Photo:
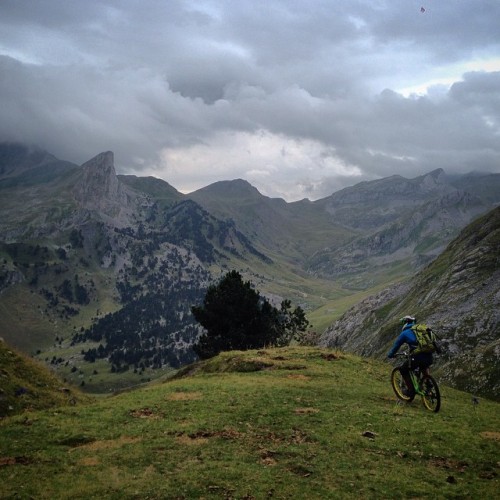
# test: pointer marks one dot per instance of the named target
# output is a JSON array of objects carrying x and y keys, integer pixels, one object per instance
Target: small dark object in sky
[{"x": 422, "y": 9}]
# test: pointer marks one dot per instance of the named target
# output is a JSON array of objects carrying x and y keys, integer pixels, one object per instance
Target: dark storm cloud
[{"x": 174, "y": 86}]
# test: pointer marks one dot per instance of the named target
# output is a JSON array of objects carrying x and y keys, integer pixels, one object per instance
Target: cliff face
[
  {"x": 458, "y": 295},
  {"x": 99, "y": 190},
  {"x": 99, "y": 181}
]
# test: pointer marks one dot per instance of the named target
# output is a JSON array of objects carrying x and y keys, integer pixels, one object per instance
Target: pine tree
[{"x": 237, "y": 317}]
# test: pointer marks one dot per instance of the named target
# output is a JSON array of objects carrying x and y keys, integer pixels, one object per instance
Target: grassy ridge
[
  {"x": 280, "y": 423},
  {"x": 27, "y": 385}
]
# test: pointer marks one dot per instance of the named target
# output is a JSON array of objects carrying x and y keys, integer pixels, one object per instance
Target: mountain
[
  {"x": 458, "y": 294},
  {"x": 403, "y": 222},
  {"x": 159, "y": 190},
  {"x": 290, "y": 231},
  {"x": 29, "y": 165},
  {"x": 98, "y": 271},
  {"x": 483, "y": 185},
  {"x": 392, "y": 225}
]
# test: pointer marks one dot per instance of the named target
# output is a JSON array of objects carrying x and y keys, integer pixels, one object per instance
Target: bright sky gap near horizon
[{"x": 299, "y": 98}]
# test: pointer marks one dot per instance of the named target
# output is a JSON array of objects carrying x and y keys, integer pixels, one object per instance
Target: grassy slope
[
  {"x": 160, "y": 190},
  {"x": 27, "y": 385},
  {"x": 285, "y": 423}
]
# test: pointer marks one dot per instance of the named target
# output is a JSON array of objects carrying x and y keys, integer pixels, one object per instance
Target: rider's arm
[
  {"x": 405, "y": 337},
  {"x": 399, "y": 342}
]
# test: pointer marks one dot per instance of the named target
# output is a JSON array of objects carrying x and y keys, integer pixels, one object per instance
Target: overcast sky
[{"x": 299, "y": 97}]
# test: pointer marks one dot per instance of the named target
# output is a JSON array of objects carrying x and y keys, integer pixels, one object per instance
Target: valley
[{"x": 98, "y": 271}]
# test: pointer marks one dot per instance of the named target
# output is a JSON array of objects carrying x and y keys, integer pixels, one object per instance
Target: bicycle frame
[
  {"x": 413, "y": 376},
  {"x": 416, "y": 382}
]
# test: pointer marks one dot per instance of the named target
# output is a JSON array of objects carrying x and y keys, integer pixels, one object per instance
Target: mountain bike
[{"x": 424, "y": 385}]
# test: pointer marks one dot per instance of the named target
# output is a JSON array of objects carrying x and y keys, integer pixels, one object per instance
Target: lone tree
[{"x": 236, "y": 317}]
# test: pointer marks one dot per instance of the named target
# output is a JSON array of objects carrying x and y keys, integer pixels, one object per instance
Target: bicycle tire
[
  {"x": 399, "y": 385},
  {"x": 431, "y": 398}
]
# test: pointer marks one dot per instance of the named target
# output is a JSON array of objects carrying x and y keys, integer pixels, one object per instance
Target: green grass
[
  {"x": 28, "y": 385},
  {"x": 279, "y": 423}
]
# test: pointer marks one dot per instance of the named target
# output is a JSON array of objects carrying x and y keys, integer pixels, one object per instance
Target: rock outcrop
[{"x": 99, "y": 190}]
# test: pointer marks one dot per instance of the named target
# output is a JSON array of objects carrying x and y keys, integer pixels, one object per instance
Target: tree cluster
[{"x": 237, "y": 317}]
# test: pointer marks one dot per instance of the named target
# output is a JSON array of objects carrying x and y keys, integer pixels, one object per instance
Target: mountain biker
[{"x": 421, "y": 360}]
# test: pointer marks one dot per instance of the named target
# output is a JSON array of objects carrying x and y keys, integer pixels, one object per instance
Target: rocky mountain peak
[
  {"x": 99, "y": 177},
  {"x": 100, "y": 189},
  {"x": 237, "y": 188},
  {"x": 99, "y": 182},
  {"x": 433, "y": 180}
]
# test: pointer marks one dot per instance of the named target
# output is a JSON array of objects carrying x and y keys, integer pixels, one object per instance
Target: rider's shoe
[{"x": 408, "y": 393}]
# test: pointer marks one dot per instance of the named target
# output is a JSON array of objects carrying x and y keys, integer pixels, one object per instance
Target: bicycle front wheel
[
  {"x": 431, "y": 397},
  {"x": 399, "y": 385}
]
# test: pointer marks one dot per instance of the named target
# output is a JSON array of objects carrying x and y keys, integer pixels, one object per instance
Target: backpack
[{"x": 426, "y": 338}]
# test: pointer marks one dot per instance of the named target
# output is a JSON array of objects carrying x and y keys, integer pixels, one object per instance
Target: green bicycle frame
[{"x": 416, "y": 381}]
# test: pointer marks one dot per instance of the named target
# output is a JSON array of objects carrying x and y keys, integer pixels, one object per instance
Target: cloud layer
[{"x": 299, "y": 98}]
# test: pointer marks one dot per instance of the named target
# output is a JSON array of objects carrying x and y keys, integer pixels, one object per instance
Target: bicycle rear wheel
[
  {"x": 399, "y": 385},
  {"x": 431, "y": 398}
]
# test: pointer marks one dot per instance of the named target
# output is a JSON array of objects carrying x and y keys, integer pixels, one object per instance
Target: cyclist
[{"x": 421, "y": 360}]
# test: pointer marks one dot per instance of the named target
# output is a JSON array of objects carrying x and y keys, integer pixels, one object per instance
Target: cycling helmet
[{"x": 407, "y": 319}]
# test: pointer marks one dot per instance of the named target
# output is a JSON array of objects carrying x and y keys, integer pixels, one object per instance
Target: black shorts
[{"x": 421, "y": 360}]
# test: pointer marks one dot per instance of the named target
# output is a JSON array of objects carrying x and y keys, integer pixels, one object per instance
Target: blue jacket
[{"x": 405, "y": 337}]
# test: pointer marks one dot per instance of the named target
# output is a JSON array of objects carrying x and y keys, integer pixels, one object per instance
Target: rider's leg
[
  {"x": 424, "y": 362},
  {"x": 405, "y": 371}
]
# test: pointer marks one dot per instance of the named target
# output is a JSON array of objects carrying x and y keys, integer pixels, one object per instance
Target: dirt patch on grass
[
  {"x": 190, "y": 440},
  {"x": 267, "y": 458},
  {"x": 109, "y": 443},
  {"x": 306, "y": 411},
  {"x": 144, "y": 413},
  {"x": 331, "y": 356},
  {"x": 5, "y": 461},
  {"x": 299, "y": 377},
  {"x": 89, "y": 461},
  {"x": 491, "y": 435},
  {"x": 448, "y": 463},
  {"x": 201, "y": 437},
  {"x": 184, "y": 396}
]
